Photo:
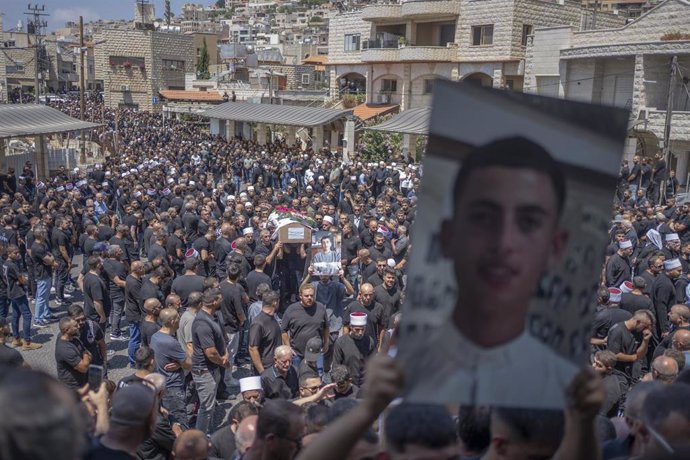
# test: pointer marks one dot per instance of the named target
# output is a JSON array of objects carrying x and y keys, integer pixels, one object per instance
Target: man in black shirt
[
  {"x": 354, "y": 349},
  {"x": 71, "y": 356},
  {"x": 43, "y": 263},
  {"x": 60, "y": 244},
  {"x": 344, "y": 388},
  {"x": 388, "y": 294},
  {"x": 134, "y": 308},
  {"x": 90, "y": 334},
  {"x": 117, "y": 274},
  {"x": 151, "y": 285},
  {"x": 304, "y": 320},
  {"x": 614, "y": 383},
  {"x": 96, "y": 299},
  {"x": 232, "y": 308},
  {"x": 280, "y": 381},
  {"x": 257, "y": 276},
  {"x": 636, "y": 299},
  {"x": 664, "y": 295},
  {"x": 264, "y": 333},
  {"x": 209, "y": 355},
  {"x": 623, "y": 344},
  {"x": 15, "y": 282},
  {"x": 618, "y": 268},
  {"x": 149, "y": 325},
  {"x": 189, "y": 282},
  {"x": 606, "y": 316},
  {"x": 365, "y": 303}
]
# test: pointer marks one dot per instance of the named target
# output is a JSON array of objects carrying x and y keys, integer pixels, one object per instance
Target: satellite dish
[{"x": 156, "y": 24}]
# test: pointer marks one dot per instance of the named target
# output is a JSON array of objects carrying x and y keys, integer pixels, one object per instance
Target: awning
[
  {"x": 288, "y": 115},
  {"x": 195, "y": 96},
  {"x": 367, "y": 111},
  {"x": 411, "y": 121},
  {"x": 33, "y": 119}
]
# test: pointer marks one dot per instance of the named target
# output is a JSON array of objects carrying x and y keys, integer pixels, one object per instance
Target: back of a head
[
  {"x": 635, "y": 398},
  {"x": 242, "y": 410},
  {"x": 474, "y": 428},
  {"x": 275, "y": 418},
  {"x": 427, "y": 425},
  {"x": 316, "y": 418},
  {"x": 540, "y": 427},
  {"x": 191, "y": 445},
  {"x": 40, "y": 419},
  {"x": 666, "y": 410}
]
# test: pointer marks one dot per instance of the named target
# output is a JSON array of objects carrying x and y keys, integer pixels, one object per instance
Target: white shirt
[{"x": 522, "y": 373}]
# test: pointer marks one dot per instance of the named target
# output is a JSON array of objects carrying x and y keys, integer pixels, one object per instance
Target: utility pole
[
  {"x": 82, "y": 108},
  {"x": 35, "y": 27},
  {"x": 667, "y": 123}
]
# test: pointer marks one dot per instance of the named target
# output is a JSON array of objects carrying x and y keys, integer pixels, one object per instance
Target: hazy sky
[{"x": 62, "y": 11}]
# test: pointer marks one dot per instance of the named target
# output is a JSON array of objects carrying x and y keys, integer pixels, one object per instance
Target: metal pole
[
  {"x": 667, "y": 123},
  {"x": 82, "y": 152}
]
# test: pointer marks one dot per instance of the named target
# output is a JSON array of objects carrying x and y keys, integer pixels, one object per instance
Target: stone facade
[
  {"x": 500, "y": 63},
  {"x": 627, "y": 67},
  {"x": 166, "y": 57}
]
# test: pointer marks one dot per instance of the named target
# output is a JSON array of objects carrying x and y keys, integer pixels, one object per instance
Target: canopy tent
[
  {"x": 286, "y": 115},
  {"x": 410, "y": 121},
  {"x": 34, "y": 119}
]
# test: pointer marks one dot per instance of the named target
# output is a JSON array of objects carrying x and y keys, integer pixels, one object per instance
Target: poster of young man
[
  {"x": 325, "y": 252},
  {"x": 508, "y": 247}
]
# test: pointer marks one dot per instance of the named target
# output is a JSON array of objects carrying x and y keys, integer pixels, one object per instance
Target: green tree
[
  {"x": 202, "y": 72},
  {"x": 220, "y": 3}
]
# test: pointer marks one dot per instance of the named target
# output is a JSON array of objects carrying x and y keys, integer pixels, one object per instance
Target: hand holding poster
[{"x": 508, "y": 247}]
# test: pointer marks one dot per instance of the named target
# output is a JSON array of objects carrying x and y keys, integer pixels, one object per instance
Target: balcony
[
  {"x": 380, "y": 51},
  {"x": 382, "y": 12},
  {"x": 428, "y": 54},
  {"x": 430, "y": 8}
]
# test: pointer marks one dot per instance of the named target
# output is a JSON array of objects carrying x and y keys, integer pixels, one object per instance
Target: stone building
[
  {"x": 136, "y": 64},
  {"x": 391, "y": 52},
  {"x": 627, "y": 67}
]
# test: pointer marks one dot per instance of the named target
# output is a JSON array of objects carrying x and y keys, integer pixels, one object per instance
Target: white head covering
[
  {"x": 250, "y": 383},
  {"x": 625, "y": 244},
  {"x": 391, "y": 262},
  {"x": 626, "y": 286},
  {"x": 358, "y": 319},
  {"x": 672, "y": 264},
  {"x": 248, "y": 231},
  {"x": 328, "y": 219},
  {"x": 614, "y": 295},
  {"x": 654, "y": 237},
  {"x": 671, "y": 237}
]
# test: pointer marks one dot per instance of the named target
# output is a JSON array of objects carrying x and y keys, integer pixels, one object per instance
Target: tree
[
  {"x": 220, "y": 3},
  {"x": 202, "y": 72}
]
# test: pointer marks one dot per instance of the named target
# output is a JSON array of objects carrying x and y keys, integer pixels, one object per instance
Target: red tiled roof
[{"x": 367, "y": 111}]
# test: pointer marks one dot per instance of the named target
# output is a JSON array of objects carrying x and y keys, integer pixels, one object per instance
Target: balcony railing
[{"x": 379, "y": 44}]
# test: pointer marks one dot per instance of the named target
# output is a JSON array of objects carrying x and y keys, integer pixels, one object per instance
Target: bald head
[
  {"x": 168, "y": 317},
  {"x": 191, "y": 445},
  {"x": 245, "y": 434},
  {"x": 680, "y": 314},
  {"x": 137, "y": 266},
  {"x": 152, "y": 306},
  {"x": 681, "y": 340},
  {"x": 665, "y": 369}
]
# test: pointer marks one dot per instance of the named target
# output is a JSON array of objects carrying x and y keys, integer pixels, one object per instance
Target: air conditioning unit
[
  {"x": 124, "y": 88},
  {"x": 383, "y": 98}
]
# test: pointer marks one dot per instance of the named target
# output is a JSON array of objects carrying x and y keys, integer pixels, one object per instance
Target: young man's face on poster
[{"x": 503, "y": 235}]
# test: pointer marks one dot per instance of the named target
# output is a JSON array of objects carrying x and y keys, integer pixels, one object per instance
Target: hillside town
[{"x": 207, "y": 219}]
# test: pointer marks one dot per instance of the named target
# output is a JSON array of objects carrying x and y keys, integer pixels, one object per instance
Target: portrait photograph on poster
[
  {"x": 325, "y": 253},
  {"x": 514, "y": 212}
]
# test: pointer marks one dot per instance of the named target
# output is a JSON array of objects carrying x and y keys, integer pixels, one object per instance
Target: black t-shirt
[
  {"x": 59, "y": 238},
  {"x": 99, "y": 452},
  {"x": 147, "y": 328},
  {"x": 10, "y": 357},
  {"x": 264, "y": 333},
  {"x": 375, "y": 317},
  {"x": 621, "y": 340},
  {"x": 67, "y": 355},
  {"x": 90, "y": 334},
  {"x": 206, "y": 333},
  {"x": 114, "y": 268},
  {"x": 633, "y": 302},
  {"x": 304, "y": 323},
  {"x": 390, "y": 299},
  {"x": 231, "y": 305},
  {"x": 350, "y": 246},
  {"x": 38, "y": 252},
  {"x": 171, "y": 246},
  {"x": 254, "y": 279},
  {"x": 150, "y": 290},
  {"x": 11, "y": 275},
  {"x": 95, "y": 290},
  {"x": 276, "y": 386},
  {"x": 353, "y": 354},
  {"x": 133, "y": 301},
  {"x": 184, "y": 285},
  {"x": 605, "y": 318},
  {"x": 156, "y": 251}
]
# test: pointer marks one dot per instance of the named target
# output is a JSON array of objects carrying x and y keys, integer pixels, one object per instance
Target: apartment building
[
  {"x": 391, "y": 52},
  {"x": 629, "y": 67}
]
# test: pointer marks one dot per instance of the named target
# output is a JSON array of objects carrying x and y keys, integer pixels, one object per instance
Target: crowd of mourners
[{"x": 168, "y": 246}]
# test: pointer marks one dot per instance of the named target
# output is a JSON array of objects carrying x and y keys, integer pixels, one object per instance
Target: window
[
  {"x": 428, "y": 84},
  {"x": 482, "y": 35},
  {"x": 18, "y": 67},
  {"x": 9, "y": 44},
  {"x": 526, "y": 32},
  {"x": 171, "y": 64},
  {"x": 305, "y": 78},
  {"x": 352, "y": 42},
  {"x": 389, "y": 86}
]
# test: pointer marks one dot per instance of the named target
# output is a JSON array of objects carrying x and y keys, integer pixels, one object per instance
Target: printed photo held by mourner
[
  {"x": 513, "y": 217},
  {"x": 325, "y": 252}
]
